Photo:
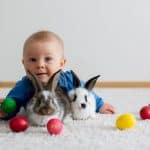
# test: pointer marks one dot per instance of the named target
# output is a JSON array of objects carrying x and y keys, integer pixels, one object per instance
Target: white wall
[{"x": 107, "y": 37}]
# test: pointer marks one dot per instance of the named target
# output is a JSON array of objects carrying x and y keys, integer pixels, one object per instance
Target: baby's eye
[
  {"x": 47, "y": 59},
  {"x": 32, "y": 59}
]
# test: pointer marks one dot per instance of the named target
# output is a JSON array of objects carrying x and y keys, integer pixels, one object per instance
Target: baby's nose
[{"x": 40, "y": 63}]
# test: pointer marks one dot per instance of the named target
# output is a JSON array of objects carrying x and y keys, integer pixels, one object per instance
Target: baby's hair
[{"x": 43, "y": 35}]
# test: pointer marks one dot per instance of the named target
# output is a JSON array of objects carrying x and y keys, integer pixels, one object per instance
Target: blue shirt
[{"x": 24, "y": 90}]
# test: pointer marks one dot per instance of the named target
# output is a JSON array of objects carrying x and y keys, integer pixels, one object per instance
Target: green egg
[{"x": 8, "y": 105}]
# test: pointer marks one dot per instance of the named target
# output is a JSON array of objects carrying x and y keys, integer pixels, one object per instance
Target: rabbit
[
  {"x": 45, "y": 103},
  {"x": 83, "y": 103}
]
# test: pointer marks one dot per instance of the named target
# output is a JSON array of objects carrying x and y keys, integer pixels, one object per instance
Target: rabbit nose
[
  {"x": 46, "y": 111},
  {"x": 83, "y": 105}
]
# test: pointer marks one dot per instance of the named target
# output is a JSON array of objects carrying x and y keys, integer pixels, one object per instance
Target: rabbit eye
[
  {"x": 85, "y": 98},
  {"x": 74, "y": 98}
]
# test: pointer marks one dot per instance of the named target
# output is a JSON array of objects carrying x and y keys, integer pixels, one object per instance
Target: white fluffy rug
[{"x": 99, "y": 133}]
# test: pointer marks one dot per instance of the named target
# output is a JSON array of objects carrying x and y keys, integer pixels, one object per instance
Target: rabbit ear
[
  {"x": 36, "y": 83},
  {"x": 76, "y": 81},
  {"x": 62, "y": 93},
  {"x": 91, "y": 82},
  {"x": 52, "y": 83}
]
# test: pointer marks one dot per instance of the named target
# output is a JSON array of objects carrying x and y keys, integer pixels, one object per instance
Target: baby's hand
[
  {"x": 2, "y": 114},
  {"x": 107, "y": 109}
]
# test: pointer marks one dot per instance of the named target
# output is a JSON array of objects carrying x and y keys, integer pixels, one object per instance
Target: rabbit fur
[
  {"x": 83, "y": 103},
  {"x": 46, "y": 103}
]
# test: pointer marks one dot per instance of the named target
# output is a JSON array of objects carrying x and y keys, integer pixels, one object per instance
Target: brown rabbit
[{"x": 46, "y": 103}]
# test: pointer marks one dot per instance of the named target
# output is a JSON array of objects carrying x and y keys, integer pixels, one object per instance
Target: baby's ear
[{"x": 63, "y": 63}]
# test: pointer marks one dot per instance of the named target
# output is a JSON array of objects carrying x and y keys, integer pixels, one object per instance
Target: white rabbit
[
  {"x": 45, "y": 104},
  {"x": 83, "y": 103}
]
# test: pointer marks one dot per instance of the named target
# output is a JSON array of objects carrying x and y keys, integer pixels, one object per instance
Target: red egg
[
  {"x": 18, "y": 124},
  {"x": 145, "y": 112},
  {"x": 54, "y": 126}
]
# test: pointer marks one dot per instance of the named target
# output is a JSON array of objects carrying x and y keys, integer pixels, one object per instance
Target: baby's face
[{"x": 43, "y": 59}]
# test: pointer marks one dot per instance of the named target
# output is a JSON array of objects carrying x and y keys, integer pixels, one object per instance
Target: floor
[{"x": 99, "y": 133}]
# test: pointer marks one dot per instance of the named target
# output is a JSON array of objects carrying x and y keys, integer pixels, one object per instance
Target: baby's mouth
[{"x": 40, "y": 74}]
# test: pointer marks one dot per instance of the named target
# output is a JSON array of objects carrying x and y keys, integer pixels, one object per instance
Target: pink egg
[{"x": 55, "y": 126}]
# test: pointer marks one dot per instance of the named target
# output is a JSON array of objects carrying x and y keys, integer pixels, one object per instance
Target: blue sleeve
[
  {"x": 99, "y": 102},
  {"x": 21, "y": 93}
]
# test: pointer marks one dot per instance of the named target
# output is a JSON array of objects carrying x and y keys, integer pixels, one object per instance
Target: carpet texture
[{"x": 99, "y": 133}]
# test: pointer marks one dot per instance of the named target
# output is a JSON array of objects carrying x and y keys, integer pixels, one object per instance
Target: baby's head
[{"x": 43, "y": 55}]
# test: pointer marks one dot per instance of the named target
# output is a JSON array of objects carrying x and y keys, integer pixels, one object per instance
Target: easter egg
[
  {"x": 55, "y": 126},
  {"x": 125, "y": 121},
  {"x": 18, "y": 124},
  {"x": 145, "y": 112},
  {"x": 8, "y": 105}
]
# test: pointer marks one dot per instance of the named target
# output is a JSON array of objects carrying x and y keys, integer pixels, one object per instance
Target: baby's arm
[
  {"x": 101, "y": 107},
  {"x": 21, "y": 93}
]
